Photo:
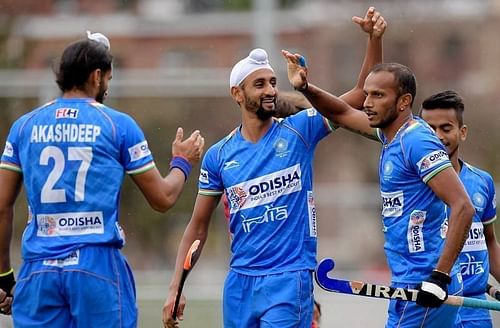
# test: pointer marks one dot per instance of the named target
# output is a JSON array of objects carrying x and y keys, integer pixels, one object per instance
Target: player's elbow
[
  {"x": 467, "y": 210},
  {"x": 162, "y": 205}
]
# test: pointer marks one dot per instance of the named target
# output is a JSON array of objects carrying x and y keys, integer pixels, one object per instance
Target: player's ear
[
  {"x": 95, "y": 78},
  {"x": 404, "y": 101},
  {"x": 463, "y": 132},
  {"x": 237, "y": 94}
]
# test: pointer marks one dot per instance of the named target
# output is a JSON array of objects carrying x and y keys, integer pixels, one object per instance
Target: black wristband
[
  {"x": 440, "y": 278},
  {"x": 7, "y": 281}
]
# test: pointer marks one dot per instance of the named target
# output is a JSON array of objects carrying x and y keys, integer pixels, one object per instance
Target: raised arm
[
  {"x": 374, "y": 25},
  {"x": 163, "y": 192},
  {"x": 333, "y": 108},
  {"x": 196, "y": 229}
]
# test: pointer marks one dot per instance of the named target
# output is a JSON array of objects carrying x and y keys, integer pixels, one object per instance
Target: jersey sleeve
[
  {"x": 10, "y": 156},
  {"x": 311, "y": 125},
  {"x": 134, "y": 150},
  {"x": 490, "y": 210},
  {"x": 210, "y": 181},
  {"x": 425, "y": 153}
]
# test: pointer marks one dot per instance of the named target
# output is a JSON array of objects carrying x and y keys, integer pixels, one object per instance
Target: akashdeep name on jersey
[{"x": 65, "y": 133}]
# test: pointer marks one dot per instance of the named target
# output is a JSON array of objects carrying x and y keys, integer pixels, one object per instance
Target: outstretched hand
[
  {"x": 297, "y": 70},
  {"x": 373, "y": 23},
  {"x": 191, "y": 148}
]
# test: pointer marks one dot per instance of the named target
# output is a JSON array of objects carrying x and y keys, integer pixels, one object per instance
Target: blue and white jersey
[
  {"x": 73, "y": 154},
  {"x": 474, "y": 261},
  {"x": 413, "y": 216},
  {"x": 268, "y": 185}
]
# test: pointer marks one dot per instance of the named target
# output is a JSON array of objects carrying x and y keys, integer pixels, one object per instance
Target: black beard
[
  {"x": 388, "y": 120},
  {"x": 100, "y": 95},
  {"x": 263, "y": 114}
]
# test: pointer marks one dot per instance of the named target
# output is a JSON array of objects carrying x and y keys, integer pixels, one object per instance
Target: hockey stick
[
  {"x": 493, "y": 292},
  {"x": 191, "y": 258},
  {"x": 380, "y": 291}
]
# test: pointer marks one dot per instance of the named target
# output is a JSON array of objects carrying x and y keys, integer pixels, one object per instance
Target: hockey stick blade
[
  {"x": 191, "y": 258},
  {"x": 380, "y": 291},
  {"x": 493, "y": 292}
]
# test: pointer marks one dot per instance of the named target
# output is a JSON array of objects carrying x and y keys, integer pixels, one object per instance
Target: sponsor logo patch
[
  {"x": 69, "y": 224},
  {"x": 8, "y": 150},
  {"x": 66, "y": 113},
  {"x": 311, "y": 112},
  {"x": 265, "y": 189},
  {"x": 203, "y": 176},
  {"x": 392, "y": 203},
  {"x": 433, "y": 159},
  {"x": 139, "y": 151},
  {"x": 72, "y": 259},
  {"x": 475, "y": 239},
  {"x": 311, "y": 209},
  {"x": 415, "y": 233}
]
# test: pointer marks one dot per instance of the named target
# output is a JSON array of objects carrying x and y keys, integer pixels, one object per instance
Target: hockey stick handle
[
  {"x": 493, "y": 292},
  {"x": 189, "y": 261},
  {"x": 380, "y": 291},
  {"x": 179, "y": 292}
]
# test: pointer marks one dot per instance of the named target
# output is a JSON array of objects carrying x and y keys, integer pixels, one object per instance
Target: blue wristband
[{"x": 182, "y": 164}]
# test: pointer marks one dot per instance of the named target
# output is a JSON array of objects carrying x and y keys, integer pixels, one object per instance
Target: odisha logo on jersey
[
  {"x": 79, "y": 221},
  {"x": 237, "y": 197},
  {"x": 274, "y": 183},
  {"x": 433, "y": 158},
  {"x": 47, "y": 225}
]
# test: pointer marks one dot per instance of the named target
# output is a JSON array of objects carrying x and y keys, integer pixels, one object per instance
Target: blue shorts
[
  {"x": 406, "y": 314},
  {"x": 475, "y": 324},
  {"x": 474, "y": 317},
  {"x": 276, "y": 300},
  {"x": 93, "y": 287}
]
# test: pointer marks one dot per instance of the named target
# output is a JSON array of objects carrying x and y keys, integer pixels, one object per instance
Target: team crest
[{"x": 281, "y": 147}]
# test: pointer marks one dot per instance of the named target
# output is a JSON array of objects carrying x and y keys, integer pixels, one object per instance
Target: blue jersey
[
  {"x": 474, "y": 261},
  {"x": 269, "y": 188},
  {"x": 413, "y": 216},
  {"x": 73, "y": 154}
]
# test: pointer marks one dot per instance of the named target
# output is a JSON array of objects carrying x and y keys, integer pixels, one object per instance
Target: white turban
[
  {"x": 257, "y": 59},
  {"x": 99, "y": 37}
]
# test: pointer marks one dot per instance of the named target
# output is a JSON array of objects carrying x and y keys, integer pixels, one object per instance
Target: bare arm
[
  {"x": 374, "y": 25},
  {"x": 196, "y": 229},
  {"x": 163, "y": 192},
  {"x": 333, "y": 108},
  {"x": 447, "y": 186},
  {"x": 11, "y": 185},
  {"x": 493, "y": 250}
]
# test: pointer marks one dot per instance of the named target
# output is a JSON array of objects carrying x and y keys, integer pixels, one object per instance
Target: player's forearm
[
  {"x": 327, "y": 104},
  {"x": 191, "y": 234},
  {"x": 494, "y": 257},
  {"x": 373, "y": 56},
  {"x": 6, "y": 218},
  {"x": 458, "y": 229}
]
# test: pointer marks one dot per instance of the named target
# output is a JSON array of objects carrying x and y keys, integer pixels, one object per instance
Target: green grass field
[{"x": 198, "y": 314}]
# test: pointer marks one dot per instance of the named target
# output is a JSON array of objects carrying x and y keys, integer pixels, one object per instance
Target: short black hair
[
  {"x": 403, "y": 76},
  {"x": 448, "y": 99},
  {"x": 79, "y": 60}
]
